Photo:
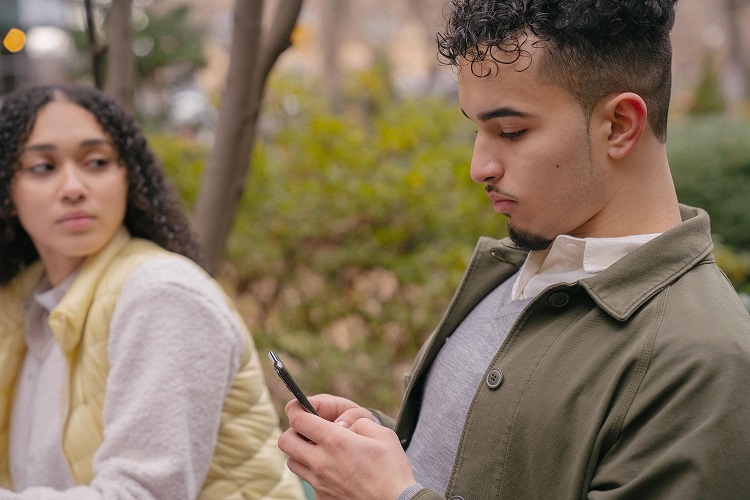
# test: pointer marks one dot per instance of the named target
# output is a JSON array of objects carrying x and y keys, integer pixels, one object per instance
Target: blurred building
[
  {"x": 336, "y": 37},
  {"x": 49, "y": 45},
  {"x": 344, "y": 35}
]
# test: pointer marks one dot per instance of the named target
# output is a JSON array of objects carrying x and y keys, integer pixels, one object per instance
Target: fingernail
[{"x": 343, "y": 423}]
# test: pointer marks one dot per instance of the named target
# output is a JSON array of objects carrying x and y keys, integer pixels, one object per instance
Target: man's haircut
[
  {"x": 593, "y": 48},
  {"x": 153, "y": 212}
]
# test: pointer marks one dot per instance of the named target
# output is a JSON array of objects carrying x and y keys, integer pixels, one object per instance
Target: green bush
[
  {"x": 708, "y": 95},
  {"x": 710, "y": 160},
  {"x": 352, "y": 235},
  {"x": 354, "y": 229}
]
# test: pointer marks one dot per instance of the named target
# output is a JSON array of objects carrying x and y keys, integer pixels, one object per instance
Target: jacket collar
[
  {"x": 68, "y": 318},
  {"x": 631, "y": 281}
]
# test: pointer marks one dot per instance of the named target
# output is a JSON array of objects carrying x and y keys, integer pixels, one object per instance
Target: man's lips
[{"x": 501, "y": 202}]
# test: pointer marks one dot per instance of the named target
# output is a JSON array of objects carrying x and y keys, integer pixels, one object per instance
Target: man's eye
[{"x": 512, "y": 135}]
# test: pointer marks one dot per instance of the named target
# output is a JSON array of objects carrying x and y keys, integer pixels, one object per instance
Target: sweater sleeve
[{"x": 174, "y": 348}]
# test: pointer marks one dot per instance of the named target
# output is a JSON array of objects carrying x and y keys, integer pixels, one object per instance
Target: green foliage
[
  {"x": 355, "y": 229},
  {"x": 176, "y": 45},
  {"x": 170, "y": 43},
  {"x": 708, "y": 95},
  {"x": 184, "y": 159},
  {"x": 736, "y": 265},
  {"x": 352, "y": 236},
  {"x": 710, "y": 160},
  {"x": 366, "y": 228}
]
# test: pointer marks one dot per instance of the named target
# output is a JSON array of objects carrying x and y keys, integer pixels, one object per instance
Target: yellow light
[
  {"x": 301, "y": 36},
  {"x": 14, "y": 40}
]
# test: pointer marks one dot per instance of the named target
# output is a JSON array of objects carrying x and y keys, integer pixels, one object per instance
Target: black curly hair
[
  {"x": 154, "y": 212},
  {"x": 593, "y": 48}
]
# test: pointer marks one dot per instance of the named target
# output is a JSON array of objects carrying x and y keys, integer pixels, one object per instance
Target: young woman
[{"x": 126, "y": 373}]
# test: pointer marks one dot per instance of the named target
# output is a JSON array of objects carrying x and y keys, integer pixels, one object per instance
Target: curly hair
[
  {"x": 592, "y": 47},
  {"x": 153, "y": 212}
]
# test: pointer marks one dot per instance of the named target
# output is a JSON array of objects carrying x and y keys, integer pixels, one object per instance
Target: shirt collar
[
  {"x": 47, "y": 297},
  {"x": 569, "y": 259}
]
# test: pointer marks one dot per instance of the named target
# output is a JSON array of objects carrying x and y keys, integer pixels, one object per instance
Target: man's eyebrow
[{"x": 499, "y": 113}]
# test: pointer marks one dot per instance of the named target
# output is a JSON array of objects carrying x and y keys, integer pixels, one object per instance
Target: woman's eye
[
  {"x": 39, "y": 168},
  {"x": 97, "y": 163}
]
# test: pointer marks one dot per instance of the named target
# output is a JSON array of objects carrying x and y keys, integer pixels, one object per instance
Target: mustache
[{"x": 494, "y": 189}]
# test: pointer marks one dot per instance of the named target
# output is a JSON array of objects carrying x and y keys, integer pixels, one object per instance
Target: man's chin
[{"x": 527, "y": 240}]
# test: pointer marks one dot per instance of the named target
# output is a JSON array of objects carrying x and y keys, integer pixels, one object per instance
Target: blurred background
[{"x": 354, "y": 214}]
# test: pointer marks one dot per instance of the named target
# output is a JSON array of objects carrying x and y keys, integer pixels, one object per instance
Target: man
[{"x": 596, "y": 353}]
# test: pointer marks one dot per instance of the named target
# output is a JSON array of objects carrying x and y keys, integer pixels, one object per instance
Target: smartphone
[{"x": 284, "y": 375}]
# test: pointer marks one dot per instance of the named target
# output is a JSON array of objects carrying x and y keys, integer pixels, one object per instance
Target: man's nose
[{"x": 486, "y": 162}]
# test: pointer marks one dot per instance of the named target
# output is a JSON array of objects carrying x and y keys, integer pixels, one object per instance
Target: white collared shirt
[
  {"x": 569, "y": 259},
  {"x": 36, "y": 419}
]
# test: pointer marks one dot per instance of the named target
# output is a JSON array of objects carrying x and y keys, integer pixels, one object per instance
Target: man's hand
[{"x": 345, "y": 454}]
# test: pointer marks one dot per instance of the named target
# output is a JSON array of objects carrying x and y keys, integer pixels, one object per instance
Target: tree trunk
[
  {"x": 333, "y": 19},
  {"x": 252, "y": 55},
  {"x": 95, "y": 48},
  {"x": 120, "y": 80},
  {"x": 739, "y": 62}
]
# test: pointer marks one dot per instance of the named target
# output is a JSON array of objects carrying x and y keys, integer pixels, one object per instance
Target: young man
[{"x": 596, "y": 353}]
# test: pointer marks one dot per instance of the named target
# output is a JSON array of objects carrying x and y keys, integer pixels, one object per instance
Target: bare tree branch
[
  {"x": 277, "y": 39},
  {"x": 120, "y": 81},
  {"x": 217, "y": 184},
  {"x": 252, "y": 57},
  {"x": 273, "y": 44},
  {"x": 97, "y": 50},
  {"x": 738, "y": 57}
]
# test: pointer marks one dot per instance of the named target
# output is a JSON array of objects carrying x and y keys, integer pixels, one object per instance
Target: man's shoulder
[{"x": 702, "y": 311}]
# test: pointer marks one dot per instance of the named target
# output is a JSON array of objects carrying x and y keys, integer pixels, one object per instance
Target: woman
[{"x": 125, "y": 370}]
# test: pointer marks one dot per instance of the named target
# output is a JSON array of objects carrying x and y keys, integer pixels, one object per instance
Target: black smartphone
[{"x": 284, "y": 375}]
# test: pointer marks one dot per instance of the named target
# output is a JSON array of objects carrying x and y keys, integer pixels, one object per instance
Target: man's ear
[{"x": 626, "y": 113}]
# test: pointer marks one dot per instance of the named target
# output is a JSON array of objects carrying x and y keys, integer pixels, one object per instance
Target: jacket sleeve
[
  {"x": 686, "y": 434},
  {"x": 385, "y": 420}
]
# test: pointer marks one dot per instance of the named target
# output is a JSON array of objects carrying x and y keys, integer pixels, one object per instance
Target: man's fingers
[
  {"x": 301, "y": 470},
  {"x": 368, "y": 428},
  {"x": 329, "y": 407},
  {"x": 316, "y": 429},
  {"x": 350, "y": 416}
]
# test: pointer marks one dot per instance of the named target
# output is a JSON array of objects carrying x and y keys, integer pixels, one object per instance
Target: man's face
[{"x": 533, "y": 152}]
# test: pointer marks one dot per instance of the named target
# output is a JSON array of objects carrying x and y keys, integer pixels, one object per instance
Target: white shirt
[
  {"x": 35, "y": 421},
  {"x": 174, "y": 348},
  {"x": 569, "y": 259}
]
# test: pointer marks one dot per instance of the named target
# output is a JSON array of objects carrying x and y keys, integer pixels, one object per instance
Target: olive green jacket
[{"x": 632, "y": 384}]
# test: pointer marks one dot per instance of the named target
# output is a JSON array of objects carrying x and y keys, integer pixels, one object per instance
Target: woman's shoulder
[
  {"x": 169, "y": 289},
  {"x": 174, "y": 272}
]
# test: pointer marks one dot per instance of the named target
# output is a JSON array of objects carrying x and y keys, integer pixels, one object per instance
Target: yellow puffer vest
[{"x": 246, "y": 464}]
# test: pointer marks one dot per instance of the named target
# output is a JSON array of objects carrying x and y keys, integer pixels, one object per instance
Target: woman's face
[{"x": 70, "y": 190}]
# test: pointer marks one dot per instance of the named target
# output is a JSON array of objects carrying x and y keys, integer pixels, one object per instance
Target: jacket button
[
  {"x": 559, "y": 299},
  {"x": 457, "y": 498},
  {"x": 494, "y": 378}
]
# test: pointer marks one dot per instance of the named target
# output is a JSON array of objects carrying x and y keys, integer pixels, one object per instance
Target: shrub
[
  {"x": 353, "y": 233},
  {"x": 710, "y": 160}
]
